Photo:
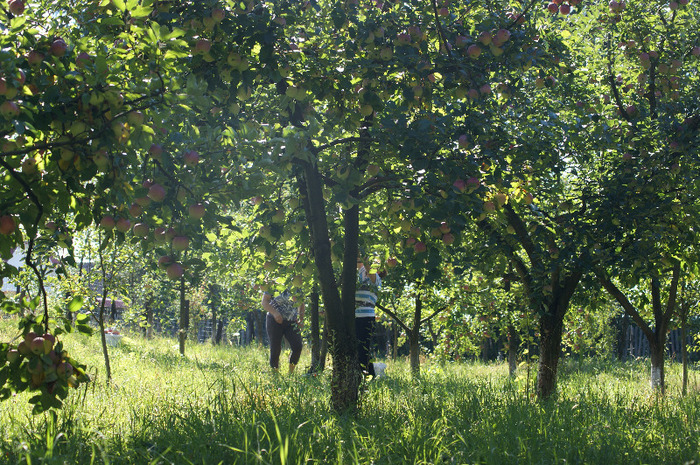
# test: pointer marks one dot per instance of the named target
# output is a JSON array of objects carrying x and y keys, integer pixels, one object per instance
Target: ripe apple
[
  {"x": 257, "y": 200},
  {"x": 553, "y": 8},
  {"x": 170, "y": 233},
  {"x": 159, "y": 235},
  {"x": 565, "y": 9},
  {"x": 180, "y": 243},
  {"x": 392, "y": 262},
  {"x": 82, "y": 60},
  {"x": 191, "y": 158},
  {"x": 58, "y": 47},
  {"x": 485, "y": 38},
  {"x": 196, "y": 211},
  {"x": 107, "y": 223},
  {"x": 489, "y": 206},
  {"x": 143, "y": 201},
  {"x": 372, "y": 170},
  {"x": 135, "y": 210},
  {"x": 500, "y": 199},
  {"x": 217, "y": 14},
  {"x": 695, "y": 51},
  {"x": 202, "y": 46},
  {"x": 64, "y": 369},
  {"x": 459, "y": 185},
  {"x": 156, "y": 193},
  {"x": 35, "y": 58},
  {"x": 297, "y": 281},
  {"x": 444, "y": 227},
  {"x": 9, "y": 109},
  {"x": 7, "y": 225},
  {"x": 141, "y": 230},
  {"x": 448, "y": 239},
  {"x": 164, "y": 262},
  {"x": 123, "y": 225},
  {"x": 16, "y": 7},
  {"x": 37, "y": 345},
  {"x": 485, "y": 89},
  {"x": 156, "y": 151},
  {"x": 419, "y": 247},
  {"x": 12, "y": 355},
  {"x": 474, "y": 51},
  {"x": 463, "y": 141}
]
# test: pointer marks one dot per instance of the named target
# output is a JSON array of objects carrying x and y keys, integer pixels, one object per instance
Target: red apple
[
  {"x": 16, "y": 7},
  {"x": 474, "y": 51},
  {"x": 159, "y": 235},
  {"x": 191, "y": 158},
  {"x": 391, "y": 262},
  {"x": 444, "y": 228},
  {"x": 12, "y": 355},
  {"x": 419, "y": 247},
  {"x": 156, "y": 151},
  {"x": 82, "y": 60},
  {"x": 37, "y": 345},
  {"x": 180, "y": 243},
  {"x": 35, "y": 58},
  {"x": 135, "y": 210},
  {"x": 485, "y": 38},
  {"x": 64, "y": 369},
  {"x": 156, "y": 193},
  {"x": 218, "y": 14},
  {"x": 202, "y": 46},
  {"x": 174, "y": 271},
  {"x": 7, "y": 224},
  {"x": 565, "y": 9},
  {"x": 107, "y": 223},
  {"x": 197, "y": 211},
  {"x": 123, "y": 225},
  {"x": 58, "y": 48},
  {"x": 459, "y": 185},
  {"x": 164, "y": 262},
  {"x": 489, "y": 207},
  {"x": 448, "y": 239}
]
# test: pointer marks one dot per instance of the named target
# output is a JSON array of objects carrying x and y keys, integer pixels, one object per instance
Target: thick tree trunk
[
  {"x": 513, "y": 347},
  {"x": 550, "y": 349},
  {"x": 340, "y": 312},
  {"x": 551, "y": 325},
  {"x": 657, "y": 353}
]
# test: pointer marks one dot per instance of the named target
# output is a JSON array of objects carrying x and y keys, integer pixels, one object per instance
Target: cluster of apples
[
  {"x": 562, "y": 6},
  {"x": 44, "y": 364}
]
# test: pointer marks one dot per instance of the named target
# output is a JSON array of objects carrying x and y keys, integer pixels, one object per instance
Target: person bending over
[{"x": 284, "y": 319}]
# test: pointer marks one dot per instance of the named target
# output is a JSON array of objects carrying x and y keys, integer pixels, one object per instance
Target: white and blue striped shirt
[{"x": 366, "y": 294}]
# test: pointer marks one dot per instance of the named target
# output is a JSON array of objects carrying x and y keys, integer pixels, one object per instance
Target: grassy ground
[{"x": 222, "y": 405}]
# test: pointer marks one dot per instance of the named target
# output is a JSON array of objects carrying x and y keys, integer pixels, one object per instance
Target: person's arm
[
  {"x": 267, "y": 306},
  {"x": 300, "y": 317}
]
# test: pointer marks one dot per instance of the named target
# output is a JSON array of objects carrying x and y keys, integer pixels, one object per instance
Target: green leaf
[{"x": 75, "y": 304}]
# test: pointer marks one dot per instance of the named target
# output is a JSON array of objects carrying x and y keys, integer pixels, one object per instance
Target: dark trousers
[
  {"x": 364, "y": 328},
  {"x": 275, "y": 333}
]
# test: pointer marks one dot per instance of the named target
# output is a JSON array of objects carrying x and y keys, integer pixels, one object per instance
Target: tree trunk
[
  {"x": 513, "y": 347},
  {"x": 550, "y": 349},
  {"x": 414, "y": 354},
  {"x": 149, "y": 318},
  {"x": 213, "y": 325},
  {"x": 684, "y": 346},
  {"x": 184, "y": 322},
  {"x": 414, "y": 338},
  {"x": 551, "y": 325},
  {"x": 657, "y": 353},
  {"x": 340, "y": 311},
  {"x": 259, "y": 327},
  {"x": 315, "y": 334},
  {"x": 324, "y": 345}
]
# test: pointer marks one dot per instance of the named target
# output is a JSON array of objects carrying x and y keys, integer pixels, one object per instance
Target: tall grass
[{"x": 223, "y": 405}]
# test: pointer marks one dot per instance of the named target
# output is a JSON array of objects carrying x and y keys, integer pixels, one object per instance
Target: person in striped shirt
[{"x": 365, "y": 301}]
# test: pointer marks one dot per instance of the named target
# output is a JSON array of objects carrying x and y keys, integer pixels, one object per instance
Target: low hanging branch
[{"x": 30, "y": 247}]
